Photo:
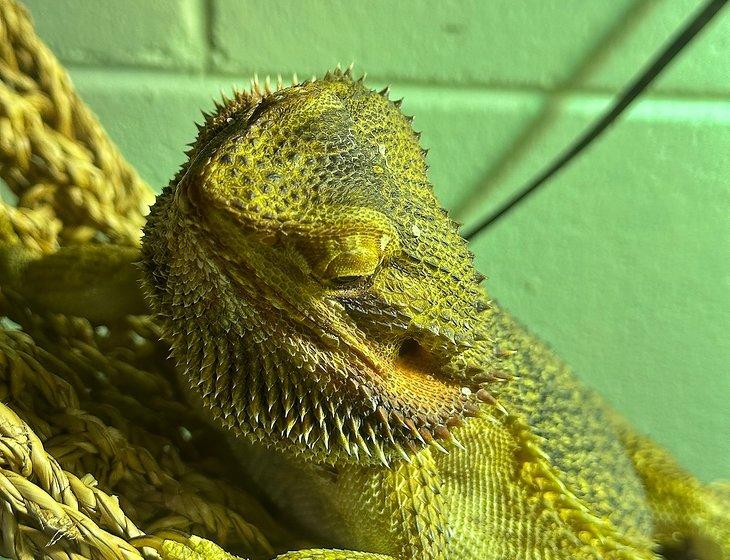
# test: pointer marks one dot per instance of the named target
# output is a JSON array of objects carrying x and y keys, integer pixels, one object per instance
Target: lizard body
[
  {"x": 323, "y": 306},
  {"x": 320, "y": 305},
  {"x": 323, "y": 309}
]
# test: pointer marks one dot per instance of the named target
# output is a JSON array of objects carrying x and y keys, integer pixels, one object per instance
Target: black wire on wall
[{"x": 632, "y": 91}]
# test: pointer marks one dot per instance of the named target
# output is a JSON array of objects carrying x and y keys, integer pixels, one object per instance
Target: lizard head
[{"x": 313, "y": 289}]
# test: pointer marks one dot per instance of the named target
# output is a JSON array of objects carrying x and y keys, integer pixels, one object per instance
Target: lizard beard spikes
[{"x": 312, "y": 289}]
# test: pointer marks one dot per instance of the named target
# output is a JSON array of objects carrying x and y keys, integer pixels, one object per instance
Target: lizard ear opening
[{"x": 409, "y": 349}]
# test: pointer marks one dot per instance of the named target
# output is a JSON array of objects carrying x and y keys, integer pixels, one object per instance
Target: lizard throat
[{"x": 308, "y": 381}]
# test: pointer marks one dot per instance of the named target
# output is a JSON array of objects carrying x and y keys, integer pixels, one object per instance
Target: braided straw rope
[
  {"x": 99, "y": 455},
  {"x": 52, "y": 148}
]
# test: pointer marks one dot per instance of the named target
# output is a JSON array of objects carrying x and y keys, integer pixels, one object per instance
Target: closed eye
[
  {"x": 350, "y": 285},
  {"x": 347, "y": 281}
]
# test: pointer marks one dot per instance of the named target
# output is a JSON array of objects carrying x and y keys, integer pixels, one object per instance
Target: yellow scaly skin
[{"x": 324, "y": 308}]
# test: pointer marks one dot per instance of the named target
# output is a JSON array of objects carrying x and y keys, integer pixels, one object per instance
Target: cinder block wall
[{"x": 621, "y": 263}]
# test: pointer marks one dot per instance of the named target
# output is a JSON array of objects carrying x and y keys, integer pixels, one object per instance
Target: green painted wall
[{"x": 621, "y": 264}]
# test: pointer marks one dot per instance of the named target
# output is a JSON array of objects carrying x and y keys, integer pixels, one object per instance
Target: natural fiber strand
[{"x": 53, "y": 149}]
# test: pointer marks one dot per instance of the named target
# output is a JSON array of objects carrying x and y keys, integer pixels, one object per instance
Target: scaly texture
[
  {"x": 323, "y": 306},
  {"x": 319, "y": 304}
]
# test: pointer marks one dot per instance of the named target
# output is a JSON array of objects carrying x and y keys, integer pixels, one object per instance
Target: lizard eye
[
  {"x": 349, "y": 282},
  {"x": 352, "y": 269}
]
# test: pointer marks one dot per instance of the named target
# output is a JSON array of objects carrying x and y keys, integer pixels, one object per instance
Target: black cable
[{"x": 680, "y": 41}]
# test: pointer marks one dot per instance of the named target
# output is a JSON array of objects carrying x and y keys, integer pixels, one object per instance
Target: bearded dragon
[{"x": 324, "y": 311}]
